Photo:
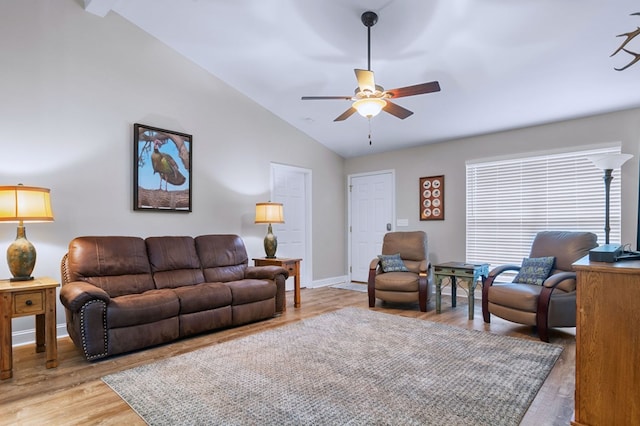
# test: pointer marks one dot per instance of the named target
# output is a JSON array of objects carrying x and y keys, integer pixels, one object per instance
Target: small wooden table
[
  {"x": 21, "y": 298},
  {"x": 461, "y": 271},
  {"x": 291, "y": 265}
]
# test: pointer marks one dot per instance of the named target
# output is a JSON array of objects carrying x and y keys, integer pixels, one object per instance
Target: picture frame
[
  {"x": 432, "y": 198},
  {"x": 162, "y": 172}
]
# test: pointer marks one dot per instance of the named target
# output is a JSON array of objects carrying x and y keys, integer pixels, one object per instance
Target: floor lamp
[{"x": 608, "y": 162}]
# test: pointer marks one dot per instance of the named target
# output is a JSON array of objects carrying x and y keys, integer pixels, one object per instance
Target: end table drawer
[{"x": 28, "y": 303}]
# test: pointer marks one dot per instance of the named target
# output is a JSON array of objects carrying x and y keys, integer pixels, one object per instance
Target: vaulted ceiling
[{"x": 501, "y": 64}]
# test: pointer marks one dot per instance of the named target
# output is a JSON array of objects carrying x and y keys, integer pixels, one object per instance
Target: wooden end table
[
  {"x": 459, "y": 271},
  {"x": 291, "y": 265},
  {"x": 21, "y": 298}
]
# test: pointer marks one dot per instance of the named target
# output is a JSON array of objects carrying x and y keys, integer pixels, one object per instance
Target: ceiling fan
[{"x": 369, "y": 98}]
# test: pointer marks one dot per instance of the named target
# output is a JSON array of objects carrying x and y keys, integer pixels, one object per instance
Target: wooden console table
[
  {"x": 607, "y": 343},
  {"x": 21, "y": 298},
  {"x": 459, "y": 271},
  {"x": 291, "y": 265}
]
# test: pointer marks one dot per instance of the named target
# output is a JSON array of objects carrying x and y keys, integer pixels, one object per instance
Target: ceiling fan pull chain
[{"x": 369, "y": 131}]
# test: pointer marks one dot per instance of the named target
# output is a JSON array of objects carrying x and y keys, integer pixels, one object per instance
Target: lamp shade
[
  {"x": 25, "y": 203},
  {"x": 269, "y": 213},
  {"x": 609, "y": 161},
  {"x": 369, "y": 107}
]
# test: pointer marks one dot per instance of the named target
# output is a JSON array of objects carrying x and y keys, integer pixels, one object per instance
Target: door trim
[
  {"x": 349, "y": 212},
  {"x": 307, "y": 278}
]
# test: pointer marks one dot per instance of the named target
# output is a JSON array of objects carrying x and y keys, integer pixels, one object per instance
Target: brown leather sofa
[{"x": 124, "y": 293}]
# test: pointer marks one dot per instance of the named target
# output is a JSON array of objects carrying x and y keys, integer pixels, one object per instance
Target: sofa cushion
[
  {"x": 148, "y": 307},
  {"x": 397, "y": 281},
  {"x": 249, "y": 291},
  {"x": 118, "y": 265},
  {"x": 521, "y": 297},
  {"x": 223, "y": 257},
  {"x": 174, "y": 261},
  {"x": 203, "y": 297}
]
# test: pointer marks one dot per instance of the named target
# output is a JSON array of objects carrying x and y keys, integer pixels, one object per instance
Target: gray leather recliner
[
  {"x": 552, "y": 304},
  {"x": 403, "y": 287}
]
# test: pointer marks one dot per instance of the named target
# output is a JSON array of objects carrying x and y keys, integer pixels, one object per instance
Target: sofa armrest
[
  {"x": 268, "y": 272},
  {"x": 275, "y": 273},
  {"x": 75, "y": 294}
]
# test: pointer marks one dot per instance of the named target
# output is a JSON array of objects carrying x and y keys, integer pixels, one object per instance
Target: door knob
[{"x": 388, "y": 227}]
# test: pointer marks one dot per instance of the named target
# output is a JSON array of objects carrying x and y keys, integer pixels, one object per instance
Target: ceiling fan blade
[
  {"x": 397, "y": 110},
  {"x": 418, "y": 89},
  {"x": 348, "y": 113},
  {"x": 365, "y": 80},
  {"x": 308, "y": 98}
]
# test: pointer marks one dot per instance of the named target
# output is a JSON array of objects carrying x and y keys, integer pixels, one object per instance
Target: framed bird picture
[{"x": 161, "y": 169}]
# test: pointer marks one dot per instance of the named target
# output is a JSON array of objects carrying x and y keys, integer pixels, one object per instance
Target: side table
[
  {"x": 291, "y": 265},
  {"x": 459, "y": 271},
  {"x": 21, "y": 298}
]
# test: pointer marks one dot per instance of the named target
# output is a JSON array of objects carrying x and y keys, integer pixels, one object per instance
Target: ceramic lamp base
[
  {"x": 21, "y": 257},
  {"x": 270, "y": 244}
]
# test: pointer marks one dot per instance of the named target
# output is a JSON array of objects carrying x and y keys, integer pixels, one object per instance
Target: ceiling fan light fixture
[{"x": 369, "y": 107}]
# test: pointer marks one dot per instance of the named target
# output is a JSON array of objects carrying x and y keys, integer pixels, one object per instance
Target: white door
[
  {"x": 291, "y": 186},
  {"x": 371, "y": 201}
]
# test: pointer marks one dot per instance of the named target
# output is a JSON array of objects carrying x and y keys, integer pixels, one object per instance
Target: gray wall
[
  {"x": 72, "y": 86},
  {"x": 447, "y": 238}
]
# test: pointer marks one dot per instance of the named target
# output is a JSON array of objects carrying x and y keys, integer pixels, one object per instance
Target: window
[{"x": 509, "y": 201}]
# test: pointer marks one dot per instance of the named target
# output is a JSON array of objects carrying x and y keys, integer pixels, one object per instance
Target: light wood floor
[{"x": 73, "y": 394}]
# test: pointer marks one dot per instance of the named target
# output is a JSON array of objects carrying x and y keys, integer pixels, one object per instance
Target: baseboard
[
  {"x": 28, "y": 337},
  {"x": 327, "y": 282}
]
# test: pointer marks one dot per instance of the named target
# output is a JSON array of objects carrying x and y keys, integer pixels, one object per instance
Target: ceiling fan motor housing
[{"x": 369, "y": 18}]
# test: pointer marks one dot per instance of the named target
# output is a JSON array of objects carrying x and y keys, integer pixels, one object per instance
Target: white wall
[
  {"x": 447, "y": 238},
  {"x": 72, "y": 86}
]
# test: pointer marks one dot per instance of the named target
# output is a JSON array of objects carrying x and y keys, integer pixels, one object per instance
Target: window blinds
[{"x": 509, "y": 201}]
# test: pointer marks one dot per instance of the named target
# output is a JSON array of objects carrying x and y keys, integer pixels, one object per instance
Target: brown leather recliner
[
  {"x": 403, "y": 286},
  {"x": 552, "y": 304}
]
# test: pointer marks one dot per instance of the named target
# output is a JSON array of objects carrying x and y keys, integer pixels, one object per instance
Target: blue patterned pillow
[
  {"x": 392, "y": 263},
  {"x": 535, "y": 270}
]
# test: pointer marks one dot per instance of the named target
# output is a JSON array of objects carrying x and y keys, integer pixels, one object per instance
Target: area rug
[
  {"x": 352, "y": 366},
  {"x": 351, "y": 286}
]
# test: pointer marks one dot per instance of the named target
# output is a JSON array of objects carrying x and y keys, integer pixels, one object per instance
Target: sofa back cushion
[
  {"x": 118, "y": 265},
  {"x": 223, "y": 257},
  {"x": 174, "y": 261}
]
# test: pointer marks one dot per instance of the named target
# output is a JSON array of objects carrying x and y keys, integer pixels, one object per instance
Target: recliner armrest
[
  {"x": 555, "y": 279},
  {"x": 374, "y": 263},
  {"x": 75, "y": 294},
  {"x": 503, "y": 268}
]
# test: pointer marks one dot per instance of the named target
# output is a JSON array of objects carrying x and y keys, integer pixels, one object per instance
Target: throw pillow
[
  {"x": 535, "y": 270},
  {"x": 392, "y": 263}
]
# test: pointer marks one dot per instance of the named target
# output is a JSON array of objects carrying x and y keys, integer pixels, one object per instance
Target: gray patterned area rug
[{"x": 352, "y": 366}]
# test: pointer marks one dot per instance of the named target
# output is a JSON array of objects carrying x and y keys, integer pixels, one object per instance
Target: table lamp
[
  {"x": 608, "y": 162},
  {"x": 23, "y": 204},
  {"x": 270, "y": 213}
]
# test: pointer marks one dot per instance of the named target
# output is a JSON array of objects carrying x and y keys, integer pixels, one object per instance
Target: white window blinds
[{"x": 509, "y": 201}]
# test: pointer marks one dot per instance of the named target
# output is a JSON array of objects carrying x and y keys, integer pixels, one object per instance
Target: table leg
[
  {"x": 471, "y": 294},
  {"x": 40, "y": 332},
  {"x": 438, "y": 293},
  {"x": 6, "y": 357},
  {"x": 51, "y": 338},
  {"x": 454, "y": 288},
  {"x": 296, "y": 290}
]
